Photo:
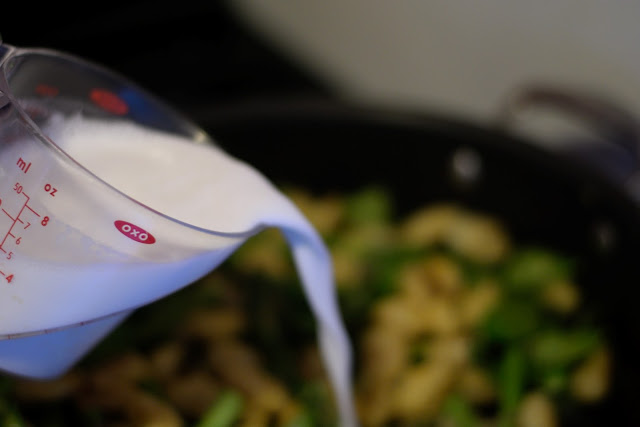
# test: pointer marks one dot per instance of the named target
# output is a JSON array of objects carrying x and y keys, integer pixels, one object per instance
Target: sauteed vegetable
[{"x": 453, "y": 323}]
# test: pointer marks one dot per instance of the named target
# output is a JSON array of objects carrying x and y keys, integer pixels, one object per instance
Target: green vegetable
[
  {"x": 369, "y": 205},
  {"x": 555, "y": 381},
  {"x": 531, "y": 269},
  {"x": 224, "y": 412},
  {"x": 512, "y": 320},
  {"x": 512, "y": 374},
  {"x": 558, "y": 349},
  {"x": 302, "y": 420},
  {"x": 459, "y": 412},
  {"x": 318, "y": 402},
  {"x": 9, "y": 415}
]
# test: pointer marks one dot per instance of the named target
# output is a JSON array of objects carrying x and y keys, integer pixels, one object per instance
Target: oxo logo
[{"x": 134, "y": 232}]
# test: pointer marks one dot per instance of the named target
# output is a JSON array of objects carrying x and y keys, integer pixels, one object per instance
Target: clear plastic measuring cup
[
  {"x": 74, "y": 251},
  {"x": 77, "y": 255}
]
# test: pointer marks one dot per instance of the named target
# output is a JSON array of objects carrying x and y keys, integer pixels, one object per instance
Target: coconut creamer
[{"x": 181, "y": 180}]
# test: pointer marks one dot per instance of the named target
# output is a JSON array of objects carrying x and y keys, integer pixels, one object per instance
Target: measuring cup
[{"x": 77, "y": 255}]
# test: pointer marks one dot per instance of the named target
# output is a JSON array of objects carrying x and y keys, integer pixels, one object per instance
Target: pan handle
[{"x": 619, "y": 159}]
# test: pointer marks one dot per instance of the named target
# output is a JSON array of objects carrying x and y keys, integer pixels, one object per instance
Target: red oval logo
[
  {"x": 134, "y": 232},
  {"x": 109, "y": 101}
]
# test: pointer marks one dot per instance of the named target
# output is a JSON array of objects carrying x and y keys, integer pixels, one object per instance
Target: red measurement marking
[
  {"x": 23, "y": 165},
  {"x": 15, "y": 220},
  {"x": 134, "y": 232},
  {"x": 50, "y": 189},
  {"x": 34, "y": 212},
  {"x": 109, "y": 101},
  {"x": 47, "y": 90},
  {"x": 8, "y": 278}
]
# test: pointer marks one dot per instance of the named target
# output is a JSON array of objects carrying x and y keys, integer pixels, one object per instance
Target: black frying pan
[{"x": 543, "y": 197}]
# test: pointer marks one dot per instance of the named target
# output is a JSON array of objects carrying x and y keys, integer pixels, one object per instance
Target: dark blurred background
[{"x": 192, "y": 54}]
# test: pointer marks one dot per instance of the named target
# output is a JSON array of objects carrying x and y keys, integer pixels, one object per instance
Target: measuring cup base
[{"x": 49, "y": 355}]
